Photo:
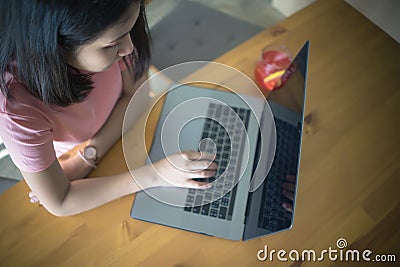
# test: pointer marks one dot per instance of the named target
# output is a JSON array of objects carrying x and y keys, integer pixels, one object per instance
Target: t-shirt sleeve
[{"x": 27, "y": 135}]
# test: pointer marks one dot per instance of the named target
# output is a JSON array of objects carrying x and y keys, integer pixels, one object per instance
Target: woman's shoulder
[{"x": 19, "y": 101}]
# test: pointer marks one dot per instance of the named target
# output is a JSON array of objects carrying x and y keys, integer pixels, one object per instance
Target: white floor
[
  {"x": 258, "y": 12},
  {"x": 7, "y": 168}
]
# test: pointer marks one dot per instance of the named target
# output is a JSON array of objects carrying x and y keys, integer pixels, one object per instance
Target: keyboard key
[
  {"x": 192, "y": 191},
  {"x": 214, "y": 213},
  {"x": 222, "y": 213},
  {"x": 217, "y": 195},
  {"x": 218, "y": 111},
  {"x": 201, "y": 191},
  {"x": 196, "y": 209},
  {"x": 190, "y": 198},
  {"x": 198, "y": 200},
  {"x": 225, "y": 201},
  {"x": 205, "y": 209},
  {"x": 226, "y": 111},
  {"x": 223, "y": 163},
  {"x": 228, "y": 184},
  {"x": 219, "y": 187},
  {"x": 215, "y": 204}
]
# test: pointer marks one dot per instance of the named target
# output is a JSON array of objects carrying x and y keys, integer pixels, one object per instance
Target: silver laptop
[{"x": 257, "y": 150}]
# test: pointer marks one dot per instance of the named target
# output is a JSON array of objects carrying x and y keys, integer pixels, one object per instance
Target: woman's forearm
[
  {"x": 62, "y": 197},
  {"x": 89, "y": 193},
  {"x": 73, "y": 166},
  {"x": 86, "y": 194}
]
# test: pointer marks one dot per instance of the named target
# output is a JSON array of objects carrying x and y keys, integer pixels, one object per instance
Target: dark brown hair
[{"x": 34, "y": 35}]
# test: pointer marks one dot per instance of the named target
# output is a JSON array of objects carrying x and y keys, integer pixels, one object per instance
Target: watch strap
[{"x": 87, "y": 161}]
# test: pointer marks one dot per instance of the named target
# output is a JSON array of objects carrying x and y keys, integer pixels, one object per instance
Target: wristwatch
[{"x": 89, "y": 155}]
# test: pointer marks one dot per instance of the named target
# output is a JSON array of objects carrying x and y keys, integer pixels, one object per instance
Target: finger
[
  {"x": 191, "y": 155},
  {"x": 197, "y": 185},
  {"x": 204, "y": 185},
  {"x": 31, "y": 194},
  {"x": 287, "y": 207},
  {"x": 196, "y": 166},
  {"x": 288, "y": 186},
  {"x": 207, "y": 156},
  {"x": 203, "y": 174},
  {"x": 288, "y": 194},
  {"x": 198, "y": 156},
  {"x": 212, "y": 166}
]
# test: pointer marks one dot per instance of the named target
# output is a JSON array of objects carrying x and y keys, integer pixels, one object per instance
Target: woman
[{"x": 68, "y": 70}]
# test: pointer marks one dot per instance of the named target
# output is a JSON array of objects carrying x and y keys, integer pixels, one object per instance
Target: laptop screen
[
  {"x": 271, "y": 206},
  {"x": 292, "y": 93}
]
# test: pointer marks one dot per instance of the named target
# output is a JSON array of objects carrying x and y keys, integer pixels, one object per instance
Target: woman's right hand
[{"x": 179, "y": 170}]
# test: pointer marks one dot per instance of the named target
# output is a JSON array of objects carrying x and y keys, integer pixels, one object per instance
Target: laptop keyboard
[
  {"x": 218, "y": 201},
  {"x": 272, "y": 215}
]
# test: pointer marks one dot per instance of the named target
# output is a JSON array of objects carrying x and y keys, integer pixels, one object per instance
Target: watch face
[{"x": 90, "y": 152}]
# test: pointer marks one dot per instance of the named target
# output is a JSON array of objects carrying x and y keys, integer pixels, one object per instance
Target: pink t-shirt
[{"x": 34, "y": 134}]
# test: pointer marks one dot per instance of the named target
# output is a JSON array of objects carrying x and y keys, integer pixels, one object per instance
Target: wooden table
[{"x": 349, "y": 175}]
